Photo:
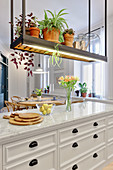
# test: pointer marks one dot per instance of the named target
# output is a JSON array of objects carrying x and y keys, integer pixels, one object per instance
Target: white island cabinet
[{"x": 81, "y": 139}]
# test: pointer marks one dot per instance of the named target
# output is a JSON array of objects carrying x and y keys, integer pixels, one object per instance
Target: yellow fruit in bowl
[
  {"x": 41, "y": 109},
  {"x": 50, "y": 105},
  {"x": 45, "y": 106},
  {"x": 44, "y": 112},
  {"x": 48, "y": 111}
]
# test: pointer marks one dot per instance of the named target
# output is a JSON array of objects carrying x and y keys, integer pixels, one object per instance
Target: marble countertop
[
  {"x": 59, "y": 118},
  {"x": 78, "y": 98}
]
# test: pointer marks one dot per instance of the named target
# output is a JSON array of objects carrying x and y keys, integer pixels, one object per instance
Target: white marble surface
[{"x": 59, "y": 117}]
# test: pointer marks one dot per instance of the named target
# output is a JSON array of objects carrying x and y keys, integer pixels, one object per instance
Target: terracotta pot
[
  {"x": 34, "y": 31},
  {"x": 52, "y": 35},
  {"x": 27, "y": 31},
  {"x": 84, "y": 94},
  {"x": 68, "y": 39},
  {"x": 89, "y": 95}
]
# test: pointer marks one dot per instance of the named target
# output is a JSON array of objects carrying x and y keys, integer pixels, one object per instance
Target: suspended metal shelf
[{"x": 37, "y": 45}]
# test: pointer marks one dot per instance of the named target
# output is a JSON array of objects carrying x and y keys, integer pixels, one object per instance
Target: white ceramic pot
[{"x": 39, "y": 97}]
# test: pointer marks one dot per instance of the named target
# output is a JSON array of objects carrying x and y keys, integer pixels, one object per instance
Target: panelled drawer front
[
  {"x": 110, "y": 133},
  {"x": 110, "y": 120},
  {"x": 75, "y": 131},
  {"x": 46, "y": 161},
  {"x": 110, "y": 150},
  {"x": 78, "y": 147},
  {"x": 90, "y": 162},
  {"x": 22, "y": 148}
]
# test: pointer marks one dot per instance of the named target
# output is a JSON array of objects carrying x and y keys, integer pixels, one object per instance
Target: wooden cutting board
[
  {"x": 16, "y": 118},
  {"x": 12, "y": 121},
  {"x": 28, "y": 115}
]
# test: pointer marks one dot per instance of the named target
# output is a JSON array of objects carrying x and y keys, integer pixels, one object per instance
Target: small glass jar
[{"x": 93, "y": 43}]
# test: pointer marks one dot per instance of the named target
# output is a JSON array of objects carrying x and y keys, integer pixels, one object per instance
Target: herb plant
[
  {"x": 38, "y": 92},
  {"x": 83, "y": 87},
  {"x": 69, "y": 31},
  {"x": 56, "y": 20}
]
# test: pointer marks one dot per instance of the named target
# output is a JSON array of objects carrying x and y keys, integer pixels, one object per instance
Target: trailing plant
[
  {"x": 30, "y": 21},
  {"x": 38, "y": 92},
  {"x": 56, "y": 20},
  {"x": 83, "y": 87},
  {"x": 69, "y": 31},
  {"x": 55, "y": 58},
  {"x": 25, "y": 58}
]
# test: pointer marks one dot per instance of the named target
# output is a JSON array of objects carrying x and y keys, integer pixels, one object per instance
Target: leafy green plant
[
  {"x": 69, "y": 31},
  {"x": 47, "y": 87},
  {"x": 38, "y": 92},
  {"x": 56, "y": 20},
  {"x": 83, "y": 87}
]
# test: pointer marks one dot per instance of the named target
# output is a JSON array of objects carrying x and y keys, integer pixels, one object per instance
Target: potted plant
[
  {"x": 83, "y": 89},
  {"x": 31, "y": 25},
  {"x": 51, "y": 27},
  {"x": 68, "y": 37},
  {"x": 48, "y": 89},
  {"x": 39, "y": 93}
]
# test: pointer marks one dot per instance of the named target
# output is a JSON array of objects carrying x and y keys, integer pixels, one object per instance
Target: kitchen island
[{"x": 81, "y": 139}]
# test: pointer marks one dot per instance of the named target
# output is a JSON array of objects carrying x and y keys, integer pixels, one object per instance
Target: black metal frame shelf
[{"x": 37, "y": 45}]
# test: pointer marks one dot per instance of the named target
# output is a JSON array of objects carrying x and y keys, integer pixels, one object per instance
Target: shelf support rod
[
  {"x": 12, "y": 20},
  {"x": 105, "y": 27},
  {"x": 23, "y": 17},
  {"x": 89, "y": 26}
]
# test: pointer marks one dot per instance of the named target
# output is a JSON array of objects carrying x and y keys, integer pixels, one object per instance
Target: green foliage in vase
[
  {"x": 83, "y": 87},
  {"x": 56, "y": 20},
  {"x": 68, "y": 82},
  {"x": 38, "y": 92}
]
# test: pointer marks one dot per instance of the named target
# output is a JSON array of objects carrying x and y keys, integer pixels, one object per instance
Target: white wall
[
  {"x": 109, "y": 64},
  {"x": 17, "y": 81}
]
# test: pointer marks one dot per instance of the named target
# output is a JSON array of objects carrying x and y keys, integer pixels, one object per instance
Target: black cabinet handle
[
  {"x": 75, "y": 130},
  {"x": 95, "y": 124},
  {"x": 75, "y": 145},
  {"x": 74, "y": 167},
  {"x": 95, "y": 136},
  {"x": 95, "y": 155},
  {"x": 33, "y": 144},
  {"x": 33, "y": 162}
]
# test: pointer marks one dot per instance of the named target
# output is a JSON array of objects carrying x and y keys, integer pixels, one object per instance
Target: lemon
[
  {"x": 44, "y": 112},
  {"x": 48, "y": 111},
  {"x": 42, "y": 108},
  {"x": 50, "y": 105},
  {"x": 45, "y": 106}
]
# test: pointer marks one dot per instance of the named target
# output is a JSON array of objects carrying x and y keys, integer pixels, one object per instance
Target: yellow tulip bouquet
[{"x": 68, "y": 82}]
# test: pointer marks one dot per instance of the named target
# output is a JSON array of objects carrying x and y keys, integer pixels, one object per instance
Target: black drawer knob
[
  {"x": 33, "y": 162},
  {"x": 95, "y": 155},
  {"x": 75, "y": 130},
  {"x": 95, "y": 136},
  {"x": 33, "y": 144},
  {"x": 95, "y": 124},
  {"x": 75, "y": 145},
  {"x": 74, "y": 167}
]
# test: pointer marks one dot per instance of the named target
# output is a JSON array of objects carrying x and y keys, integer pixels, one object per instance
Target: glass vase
[{"x": 68, "y": 99}]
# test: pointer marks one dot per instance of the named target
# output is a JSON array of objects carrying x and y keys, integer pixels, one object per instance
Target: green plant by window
[
  {"x": 38, "y": 92},
  {"x": 83, "y": 87},
  {"x": 56, "y": 20}
]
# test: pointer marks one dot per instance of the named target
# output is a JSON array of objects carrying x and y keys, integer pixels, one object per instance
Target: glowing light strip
[
  {"x": 38, "y": 72},
  {"x": 61, "y": 52}
]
